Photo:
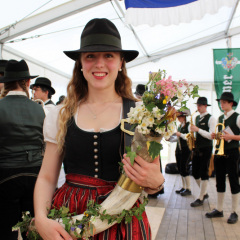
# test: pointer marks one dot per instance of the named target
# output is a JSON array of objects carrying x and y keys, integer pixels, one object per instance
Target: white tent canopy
[{"x": 39, "y": 31}]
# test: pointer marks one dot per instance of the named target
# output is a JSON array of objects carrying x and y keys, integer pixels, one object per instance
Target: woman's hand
[
  {"x": 144, "y": 174},
  {"x": 51, "y": 230}
]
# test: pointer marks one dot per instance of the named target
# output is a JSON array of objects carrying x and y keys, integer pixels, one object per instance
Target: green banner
[{"x": 227, "y": 72}]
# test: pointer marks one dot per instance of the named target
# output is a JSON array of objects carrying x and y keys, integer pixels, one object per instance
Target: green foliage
[
  {"x": 132, "y": 156},
  {"x": 154, "y": 149},
  {"x": 80, "y": 228}
]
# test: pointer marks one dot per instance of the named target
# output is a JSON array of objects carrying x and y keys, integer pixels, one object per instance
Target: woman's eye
[
  {"x": 90, "y": 56},
  {"x": 109, "y": 55}
]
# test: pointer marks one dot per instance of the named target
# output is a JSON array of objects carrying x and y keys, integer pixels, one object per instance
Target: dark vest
[
  {"x": 231, "y": 122},
  {"x": 203, "y": 124},
  {"x": 96, "y": 154},
  {"x": 183, "y": 130},
  {"x": 21, "y": 128}
]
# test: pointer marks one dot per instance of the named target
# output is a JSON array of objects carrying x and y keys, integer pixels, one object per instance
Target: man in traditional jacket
[
  {"x": 228, "y": 163},
  {"x": 205, "y": 125},
  {"x": 43, "y": 90},
  {"x": 21, "y": 146}
]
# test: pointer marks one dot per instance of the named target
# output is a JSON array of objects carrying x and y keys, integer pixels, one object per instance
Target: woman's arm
[{"x": 43, "y": 193}]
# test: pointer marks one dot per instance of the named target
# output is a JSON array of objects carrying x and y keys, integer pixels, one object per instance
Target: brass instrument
[
  {"x": 190, "y": 136},
  {"x": 219, "y": 141}
]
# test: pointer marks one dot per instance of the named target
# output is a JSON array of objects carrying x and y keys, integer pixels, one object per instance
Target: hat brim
[
  {"x": 51, "y": 88},
  {"x": 234, "y": 103},
  {"x": 7, "y": 79},
  {"x": 129, "y": 55},
  {"x": 204, "y": 104}
]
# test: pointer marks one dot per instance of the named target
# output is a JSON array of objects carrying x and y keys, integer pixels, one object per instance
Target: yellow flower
[
  {"x": 85, "y": 213},
  {"x": 164, "y": 101},
  {"x": 148, "y": 144}
]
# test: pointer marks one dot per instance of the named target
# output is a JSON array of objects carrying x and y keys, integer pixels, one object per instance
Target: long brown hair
[
  {"x": 77, "y": 90},
  {"x": 11, "y": 86}
]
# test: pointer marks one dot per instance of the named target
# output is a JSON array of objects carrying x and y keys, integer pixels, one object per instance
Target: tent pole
[
  {"x": 232, "y": 15},
  {"x": 229, "y": 42}
]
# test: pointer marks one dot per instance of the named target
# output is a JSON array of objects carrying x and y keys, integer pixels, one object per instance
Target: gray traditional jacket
[{"x": 21, "y": 132}]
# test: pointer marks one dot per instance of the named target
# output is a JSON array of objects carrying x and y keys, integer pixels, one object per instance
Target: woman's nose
[{"x": 99, "y": 61}]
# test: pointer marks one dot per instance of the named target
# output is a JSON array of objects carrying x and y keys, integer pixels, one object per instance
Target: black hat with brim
[
  {"x": 16, "y": 71},
  {"x": 228, "y": 96},
  {"x": 45, "y": 82},
  {"x": 101, "y": 35},
  {"x": 202, "y": 101}
]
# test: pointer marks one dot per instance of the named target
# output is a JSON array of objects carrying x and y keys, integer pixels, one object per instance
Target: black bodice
[
  {"x": 93, "y": 153},
  {"x": 96, "y": 154}
]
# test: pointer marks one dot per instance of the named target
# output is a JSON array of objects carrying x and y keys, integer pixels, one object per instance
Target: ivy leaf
[
  {"x": 154, "y": 149},
  {"x": 132, "y": 155},
  {"x": 128, "y": 149},
  {"x": 65, "y": 210}
]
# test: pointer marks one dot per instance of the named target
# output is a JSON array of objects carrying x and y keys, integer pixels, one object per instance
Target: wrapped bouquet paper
[{"x": 152, "y": 119}]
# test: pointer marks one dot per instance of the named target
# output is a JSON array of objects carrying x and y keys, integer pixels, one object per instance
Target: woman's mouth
[{"x": 99, "y": 74}]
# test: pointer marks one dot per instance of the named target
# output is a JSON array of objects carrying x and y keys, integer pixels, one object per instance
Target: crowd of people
[
  {"x": 226, "y": 153},
  {"x": 82, "y": 131}
]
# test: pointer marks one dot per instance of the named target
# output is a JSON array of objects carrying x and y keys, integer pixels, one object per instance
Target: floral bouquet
[{"x": 155, "y": 117}]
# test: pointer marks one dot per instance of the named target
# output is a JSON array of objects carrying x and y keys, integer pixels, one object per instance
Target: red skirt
[{"x": 79, "y": 189}]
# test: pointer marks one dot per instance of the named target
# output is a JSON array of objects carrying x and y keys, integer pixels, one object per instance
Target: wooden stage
[{"x": 182, "y": 222}]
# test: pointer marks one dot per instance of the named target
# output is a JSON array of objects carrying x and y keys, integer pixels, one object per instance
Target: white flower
[
  {"x": 160, "y": 130},
  {"x": 78, "y": 230},
  {"x": 149, "y": 121},
  {"x": 167, "y": 135}
]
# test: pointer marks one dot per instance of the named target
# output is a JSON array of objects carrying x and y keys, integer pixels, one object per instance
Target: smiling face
[{"x": 100, "y": 69}]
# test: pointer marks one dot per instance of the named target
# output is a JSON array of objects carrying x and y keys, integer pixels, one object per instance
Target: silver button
[
  {"x": 95, "y": 156},
  {"x": 95, "y": 143},
  {"x": 95, "y": 150},
  {"x": 96, "y": 169},
  {"x": 96, "y": 163},
  {"x": 95, "y": 136},
  {"x": 96, "y": 176}
]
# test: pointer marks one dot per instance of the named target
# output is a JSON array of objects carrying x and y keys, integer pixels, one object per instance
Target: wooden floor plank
[{"x": 183, "y": 222}]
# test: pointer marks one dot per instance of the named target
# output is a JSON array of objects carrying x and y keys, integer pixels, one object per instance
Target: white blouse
[{"x": 50, "y": 126}]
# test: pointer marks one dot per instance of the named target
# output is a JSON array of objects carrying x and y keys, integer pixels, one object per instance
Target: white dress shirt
[{"x": 212, "y": 122}]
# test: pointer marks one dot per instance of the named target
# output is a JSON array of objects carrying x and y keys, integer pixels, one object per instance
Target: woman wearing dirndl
[{"x": 85, "y": 134}]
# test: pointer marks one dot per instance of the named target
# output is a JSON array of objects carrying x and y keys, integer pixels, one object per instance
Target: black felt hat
[
  {"x": 45, "y": 82},
  {"x": 203, "y": 101},
  {"x": 3, "y": 64},
  {"x": 16, "y": 71},
  {"x": 140, "y": 89},
  {"x": 228, "y": 96},
  {"x": 101, "y": 35}
]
